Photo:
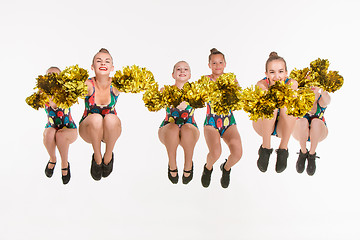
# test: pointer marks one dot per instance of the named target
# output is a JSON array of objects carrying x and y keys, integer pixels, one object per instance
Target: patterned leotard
[
  {"x": 179, "y": 117},
  {"x": 220, "y": 122},
  {"x": 59, "y": 118},
  {"x": 318, "y": 114},
  {"x": 103, "y": 110}
]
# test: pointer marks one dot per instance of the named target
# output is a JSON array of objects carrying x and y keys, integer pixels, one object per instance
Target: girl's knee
[
  {"x": 93, "y": 121},
  {"x": 111, "y": 120},
  {"x": 49, "y": 133},
  {"x": 317, "y": 123},
  {"x": 215, "y": 153}
]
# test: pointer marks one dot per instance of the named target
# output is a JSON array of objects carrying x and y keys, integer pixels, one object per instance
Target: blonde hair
[
  {"x": 272, "y": 57},
  {"x": 102, "y": 50},
  {"x": 214, "y": 51}
]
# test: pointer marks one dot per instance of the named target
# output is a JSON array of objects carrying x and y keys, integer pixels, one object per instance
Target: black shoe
[
  {"x": 300, "y": 164},
  {"x": 66, "y": 178},
  {"x": 107, "y": 169},
  {"x": 96, "y": 169},
  {"x": 187, "y": 179},
  {"x": 175, "y": 179},
  {"x": 263, "y": 161},
  {"x": 311, "y": 167},
  {"x": 49, "y": 172},
  {"x": 281, "y": 160},
  {"x": 206, "y": 176},
  {"x": 225, "y": 179}
]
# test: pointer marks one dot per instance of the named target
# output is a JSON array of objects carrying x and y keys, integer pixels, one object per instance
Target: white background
[{"x": 137, "y": 201}]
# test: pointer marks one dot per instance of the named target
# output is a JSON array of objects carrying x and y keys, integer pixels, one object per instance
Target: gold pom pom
[
  {"x": 302, "y": 76},
  {"x": 64, "y": 88},
  {"x": 318, "y": 75},
  {"x": 332, "y": 82},
  {"x": 133, "y": 79},
  {"x": 225, "y": 94},
  {"x": 37, "y": 100},
  {"x": 257, "y": 104},
  {"x": 48, "y": 84},
  {"x": 72, "y": 86},
  {"x": 172, "y": 96},
  {"x": 262, "y": 104},
  {"x": 280, "y": 93},
  {"x": 301, "y": 103},
  {"x": 197, "y": 93},
  {"x": 153, "y": 98}
]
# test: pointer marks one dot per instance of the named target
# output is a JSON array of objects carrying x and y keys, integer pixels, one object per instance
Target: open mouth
[{"x": 103, "y": 68}]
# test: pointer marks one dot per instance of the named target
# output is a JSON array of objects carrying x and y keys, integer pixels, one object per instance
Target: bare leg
[
  {"x": 64, "y": 137},
  {"x": 213, "y": 142},
  {"x": 301, "y": 133},
  {"x": 112, "y": 131},
  {"x": 233, "y": 140},
  {"x": 50, "y": 144},
  {"x": 169, "y": 136},
  {"x": 189, "y": 136},
  {"x": 91, "y": 130},
  {"x": 285, "y": 127},
  {"x": 318, "y": 132},
  {"x": 265, "y": 127}
]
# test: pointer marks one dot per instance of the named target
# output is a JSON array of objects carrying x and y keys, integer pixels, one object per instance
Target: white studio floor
[{"x": 137, "y": 201}]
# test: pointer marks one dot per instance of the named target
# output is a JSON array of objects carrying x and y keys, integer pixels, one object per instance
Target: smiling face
[
  {"x": 181, "y": 72},
  {"x": 217, "y": 64},
  {"x": 102, "y": 64},
  {"x": 276, "y": 71}
]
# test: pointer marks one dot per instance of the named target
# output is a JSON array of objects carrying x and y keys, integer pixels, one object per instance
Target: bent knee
[
  {"x": 94, "y": 120},
  {"x": 302, "y": 123},
  {"x": 215, "y": 153},
  {"x": 316, "y": 122},
  {"x": 236, "y": 151},
  {"x": 190, "y": 129},
  {"x": 112, "y": 120}
]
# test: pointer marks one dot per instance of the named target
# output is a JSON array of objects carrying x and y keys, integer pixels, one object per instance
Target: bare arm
[
  {"x": 89, "y": 87},
  {"x": 325, "y": 98},
  {"x": 262, "y": 84},
  {"x": 294, "y": 84}
]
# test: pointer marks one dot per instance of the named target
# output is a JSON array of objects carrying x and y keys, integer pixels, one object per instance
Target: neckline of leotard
[{"x": 112, "y": 94}]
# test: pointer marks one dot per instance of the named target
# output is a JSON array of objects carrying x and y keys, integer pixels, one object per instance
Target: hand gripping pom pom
[
  {"x": 257, "y": 104},
  {"x": 301, "y": 103},
  {"x": 72, "y": 82},
  {"x": 197, "y": 93},
  {"x": 224, "y": 94},
  {"x": 153, "y": 98},
  {"x": 64, "y": 88},
  {"x": 318, "y": 75},
  {"x": 172, "y": 96},
  {"x": 37, "y": 100}
]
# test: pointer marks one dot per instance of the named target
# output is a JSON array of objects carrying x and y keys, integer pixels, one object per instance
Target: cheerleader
[
  {"x": 311, "y": 128},
  {"x": 60, "y": 131},
  {"x": 217, "y": 127},
  {"x": 179, "y": 128},
  {"x": 281, "y": 125},
  {"x": 100, "y": 122}
]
